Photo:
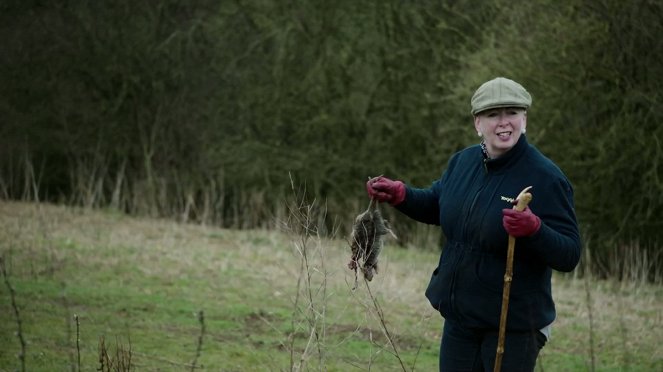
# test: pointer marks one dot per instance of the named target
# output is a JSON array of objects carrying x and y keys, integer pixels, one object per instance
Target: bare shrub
[{"x": 118, "y": 360}]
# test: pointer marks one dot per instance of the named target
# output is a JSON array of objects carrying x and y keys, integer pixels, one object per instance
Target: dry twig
[
  {"x": 199, "y": 348},
  {"x": 17, "y": 314}
]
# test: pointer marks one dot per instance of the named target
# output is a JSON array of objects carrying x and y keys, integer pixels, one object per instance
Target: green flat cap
[{"x": 500, "y": 92}]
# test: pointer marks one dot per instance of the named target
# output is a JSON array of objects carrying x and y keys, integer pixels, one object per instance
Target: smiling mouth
[{"x": 504, "y": 135}]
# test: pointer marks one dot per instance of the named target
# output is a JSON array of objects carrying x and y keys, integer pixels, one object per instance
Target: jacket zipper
[
  {"x": 469, "y": 211},
  {"x": 474, "y": 200}
]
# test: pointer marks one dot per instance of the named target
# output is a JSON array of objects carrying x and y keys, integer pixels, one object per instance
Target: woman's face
[{"x": 501, "y": 128}]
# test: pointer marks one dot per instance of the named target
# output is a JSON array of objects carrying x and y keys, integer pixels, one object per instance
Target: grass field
[{"x": 172, "y": 296}]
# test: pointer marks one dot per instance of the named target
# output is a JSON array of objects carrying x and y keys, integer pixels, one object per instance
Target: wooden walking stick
[{"x": 521, "y": 203}]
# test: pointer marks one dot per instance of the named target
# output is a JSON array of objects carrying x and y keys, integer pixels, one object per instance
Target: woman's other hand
[{"x": 384, "y": 189}]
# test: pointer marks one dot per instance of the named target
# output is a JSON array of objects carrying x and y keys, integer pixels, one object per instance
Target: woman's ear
[{"x": 477, "y": 125}]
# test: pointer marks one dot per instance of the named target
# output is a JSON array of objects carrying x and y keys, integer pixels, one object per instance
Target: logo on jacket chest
[{"x": 507, "y": 199}]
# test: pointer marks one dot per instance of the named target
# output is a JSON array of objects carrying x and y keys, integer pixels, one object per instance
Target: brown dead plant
[
  {"x": 118, "y": 360},
  {"x": 309, "y": 302}
]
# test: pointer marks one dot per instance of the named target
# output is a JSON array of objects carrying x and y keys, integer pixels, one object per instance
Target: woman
[{"x": 472, "y": 203}]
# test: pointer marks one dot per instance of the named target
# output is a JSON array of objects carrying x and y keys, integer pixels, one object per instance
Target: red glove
[
  {"x": 519, "y": 224},
  {"x": 383, "y": 189}
]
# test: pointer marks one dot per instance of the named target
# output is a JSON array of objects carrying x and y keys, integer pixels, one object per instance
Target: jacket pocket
[{"x": 440, "y": 285}]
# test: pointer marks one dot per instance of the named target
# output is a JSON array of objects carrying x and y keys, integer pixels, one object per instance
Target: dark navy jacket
[{"x": 467, "y": 202}]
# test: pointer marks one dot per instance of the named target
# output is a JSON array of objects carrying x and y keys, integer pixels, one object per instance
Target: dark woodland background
[{"x": 213, "y": 111}]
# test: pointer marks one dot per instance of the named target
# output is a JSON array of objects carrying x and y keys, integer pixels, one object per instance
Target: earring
[
  {"x": 524, "y": 130},
  {"x": 479, "y": 134}
]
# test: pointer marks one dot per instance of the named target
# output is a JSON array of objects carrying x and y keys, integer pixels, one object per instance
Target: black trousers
[{"x": 472, "y": 350}]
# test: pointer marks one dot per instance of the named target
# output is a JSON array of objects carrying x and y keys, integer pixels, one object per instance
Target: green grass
[{"x": 140, "y": 283}]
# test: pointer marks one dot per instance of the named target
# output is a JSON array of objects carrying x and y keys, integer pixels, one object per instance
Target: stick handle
[{"x": 522, "y": 201}]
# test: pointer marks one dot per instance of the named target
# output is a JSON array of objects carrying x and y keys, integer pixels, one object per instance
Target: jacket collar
[{"x": 505, "y": 160}]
